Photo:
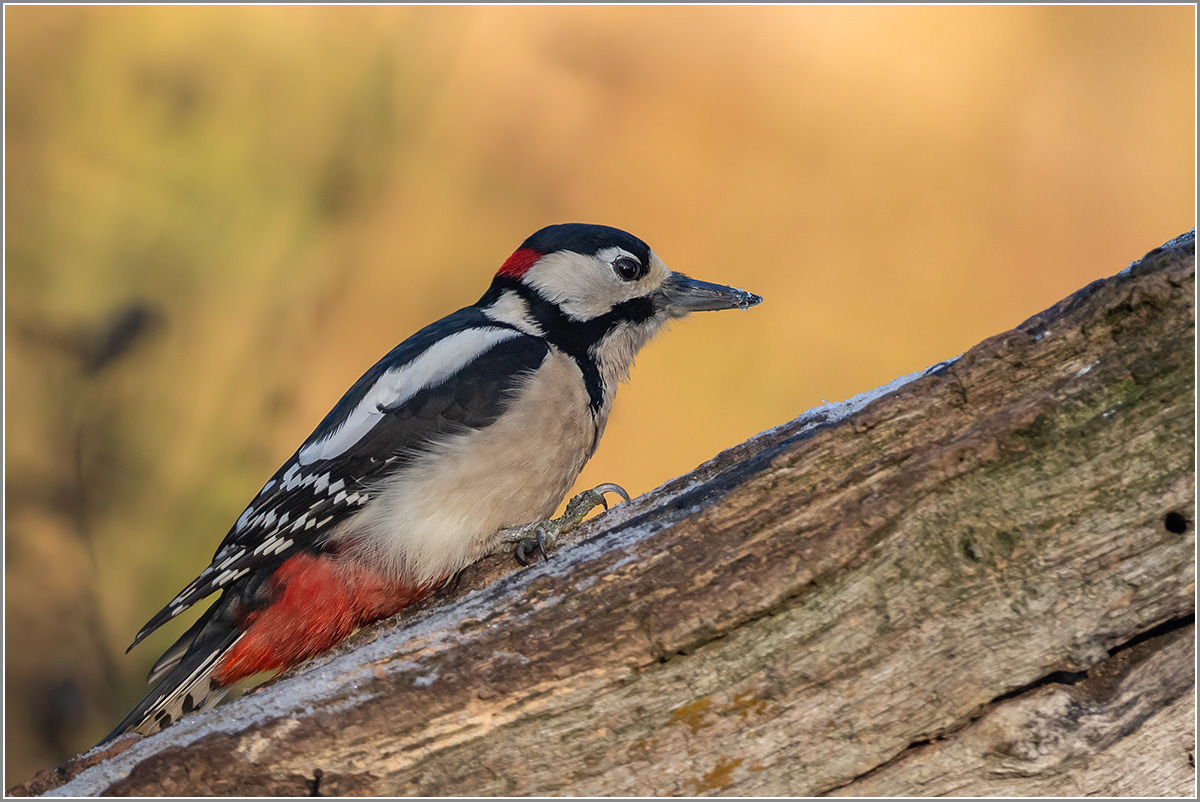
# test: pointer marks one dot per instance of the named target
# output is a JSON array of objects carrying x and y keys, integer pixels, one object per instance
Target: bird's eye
[{"x": 627, "y": 269}]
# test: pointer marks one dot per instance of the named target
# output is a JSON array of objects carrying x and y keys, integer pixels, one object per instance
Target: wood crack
[{"x": 1105, "y": 678}]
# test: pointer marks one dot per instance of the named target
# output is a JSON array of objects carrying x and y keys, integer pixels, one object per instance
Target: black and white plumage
[{"x": 477, "y": 423}]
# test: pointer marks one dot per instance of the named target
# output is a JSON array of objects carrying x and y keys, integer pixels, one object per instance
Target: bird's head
[
  {"x": 590, "y": 271},
  {"x": 598, "y": 294}
]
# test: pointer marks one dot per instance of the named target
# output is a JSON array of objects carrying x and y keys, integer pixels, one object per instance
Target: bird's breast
[{"x": 440, "y": 512}]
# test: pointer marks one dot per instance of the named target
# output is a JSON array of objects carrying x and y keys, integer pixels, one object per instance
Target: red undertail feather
[
  {"x": 321, "y": 600},
  {"x": 516, "y": 265}
]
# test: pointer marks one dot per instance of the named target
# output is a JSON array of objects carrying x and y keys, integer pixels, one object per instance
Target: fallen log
[{"x": 977, "y": 580}]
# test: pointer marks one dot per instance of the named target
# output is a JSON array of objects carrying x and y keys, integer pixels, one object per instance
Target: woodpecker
[{"x": 459, "y": 443}]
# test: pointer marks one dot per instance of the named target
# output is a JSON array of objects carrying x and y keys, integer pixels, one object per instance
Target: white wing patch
[
  {"x": 244, "y": 519},
  {"x": 433, "y": 366},
  {"x": 292, "y": 479}
]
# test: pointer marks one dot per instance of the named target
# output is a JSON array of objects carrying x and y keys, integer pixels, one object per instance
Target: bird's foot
[{"x": 542, "y": 535}]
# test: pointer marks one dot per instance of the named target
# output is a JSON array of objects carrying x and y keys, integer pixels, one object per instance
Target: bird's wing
[{"x": 456, "y": 374}]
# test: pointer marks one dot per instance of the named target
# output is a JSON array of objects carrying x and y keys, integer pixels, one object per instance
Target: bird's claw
[
  {"x": 523, "y": 547},
  {"x": 600, "y": 490},
  {"x": 545, "y": 534},
  {"x": 588, "y": 500}
]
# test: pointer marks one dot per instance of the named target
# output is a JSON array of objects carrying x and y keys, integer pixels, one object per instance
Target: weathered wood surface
[{"x": 901, "y": 598}]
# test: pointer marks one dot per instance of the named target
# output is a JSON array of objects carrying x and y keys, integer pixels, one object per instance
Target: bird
[{"x": 459, "y": 443}]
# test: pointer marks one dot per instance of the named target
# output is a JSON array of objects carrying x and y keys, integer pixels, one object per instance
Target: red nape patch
[
  {"x": 320, "y": 600},
  {"x": 520, "y": 262}
]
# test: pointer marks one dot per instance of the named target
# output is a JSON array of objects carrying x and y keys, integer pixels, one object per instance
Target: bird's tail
[{"x": 183, "y": 679}]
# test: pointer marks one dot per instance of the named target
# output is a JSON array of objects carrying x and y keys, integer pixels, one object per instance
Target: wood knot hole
[{"x": 1175, "y": 522}]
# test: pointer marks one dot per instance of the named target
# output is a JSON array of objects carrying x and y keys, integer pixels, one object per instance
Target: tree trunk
[{"x": 978, "y": 580}]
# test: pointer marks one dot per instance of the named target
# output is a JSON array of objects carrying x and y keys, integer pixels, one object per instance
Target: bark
[{"x": 980, "y": 581}]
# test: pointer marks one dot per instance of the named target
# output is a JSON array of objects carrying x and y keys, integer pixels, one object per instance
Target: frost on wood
[{"x": 979, "y": 581}]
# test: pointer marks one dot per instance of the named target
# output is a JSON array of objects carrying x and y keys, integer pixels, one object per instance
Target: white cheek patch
[
  {"x": 585, "y": 287},
  {"x": 577, "y": 284},
  {"x": 397, "y": 385}
]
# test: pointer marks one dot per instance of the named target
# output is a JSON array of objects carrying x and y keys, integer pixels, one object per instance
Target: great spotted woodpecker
[{"x": 453, "y": 446}]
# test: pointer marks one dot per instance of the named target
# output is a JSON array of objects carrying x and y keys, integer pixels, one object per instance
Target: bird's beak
[{"x": 684, "y": 295}]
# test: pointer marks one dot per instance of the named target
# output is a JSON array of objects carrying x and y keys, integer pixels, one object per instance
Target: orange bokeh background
[{"x": 218, "y": 217}]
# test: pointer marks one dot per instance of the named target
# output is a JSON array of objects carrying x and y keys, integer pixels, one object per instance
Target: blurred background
[{"x": 218, "y": 217}]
